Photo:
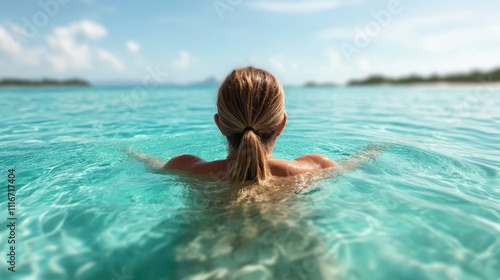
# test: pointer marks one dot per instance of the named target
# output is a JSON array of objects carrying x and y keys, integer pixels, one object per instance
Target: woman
[{"x": 251, "y": 115}]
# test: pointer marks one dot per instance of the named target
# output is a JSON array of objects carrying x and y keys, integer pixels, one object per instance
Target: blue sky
[{"x": 297, "y": 40}]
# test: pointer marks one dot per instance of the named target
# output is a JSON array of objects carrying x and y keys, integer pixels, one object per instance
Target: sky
[{"x": 297, "y": 40}]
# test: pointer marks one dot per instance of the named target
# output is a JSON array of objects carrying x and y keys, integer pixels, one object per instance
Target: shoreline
[
  {"x": 439, "y": 84},
  {"x": 494, "y": 85}
]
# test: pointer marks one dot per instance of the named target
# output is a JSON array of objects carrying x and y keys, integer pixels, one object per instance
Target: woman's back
[{"x": 219, "y": 169}]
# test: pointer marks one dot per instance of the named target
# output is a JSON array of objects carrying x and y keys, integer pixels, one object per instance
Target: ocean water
[{"x": 427, "y": 208}]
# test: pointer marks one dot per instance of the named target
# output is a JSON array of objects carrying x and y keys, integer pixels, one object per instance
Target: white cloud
[
  {"x": 334, "y": 58},
  {"x": 67, "y": 49},
  {"x": 459, "y": 38},
  {"x": 7, "y": 43},
  {"x": 296, "y": 6},
  {"x": 441, "y": 42},
  {"x": 433, "y": 21},
  {"x": 281, "y": 64},
  {"x": 183, "y": 60},
  {"x": 331, "y": 67},
  {"x": 67, "y": 52},
  {"x": 364, "y": 64},
  {"x": 400, "y": 29},
  {"x": 336, "y": 61},
  {"x": 86, "y": 28},
  {"x": 110, "y": 59},
  {"x": 15, "y": 50},
  {"x": 16, "y": 28},
  {"x": 133, "y": 46},
  {"x": 92, "y": 30},
  {"x": 440, "y": 32}
]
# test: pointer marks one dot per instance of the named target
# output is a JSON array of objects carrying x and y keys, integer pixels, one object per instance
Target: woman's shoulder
[
  {"x": 279, "y": 167},
  {"x": 183, "y": 162},
  {"x": 300, "y": 165},
  {"x": 319, "y": 160},
  {"x": 197, "y": 166}
]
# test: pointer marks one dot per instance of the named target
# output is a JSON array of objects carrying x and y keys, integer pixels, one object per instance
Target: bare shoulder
[
  {"x": 318, "y": 160},
  {"x": 183, "y": 162},
  {"x": 216, "y": 169},
  {"x": 196, "y": 166},
  {"x": 303, "y": 164}
]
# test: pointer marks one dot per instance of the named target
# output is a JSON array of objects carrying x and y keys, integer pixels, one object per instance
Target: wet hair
[{"x": 251, "y": 107}]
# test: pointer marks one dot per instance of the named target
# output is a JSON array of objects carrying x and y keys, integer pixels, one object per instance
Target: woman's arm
[
  {"x": 154, "y": 164},
  {"x": 366, "y": 154}
]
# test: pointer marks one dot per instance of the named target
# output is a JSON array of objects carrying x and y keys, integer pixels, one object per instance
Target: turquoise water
[{"x": 427, "y": 208}]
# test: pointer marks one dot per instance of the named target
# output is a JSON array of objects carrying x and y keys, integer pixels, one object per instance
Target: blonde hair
[{"x": 251, "y": 107}]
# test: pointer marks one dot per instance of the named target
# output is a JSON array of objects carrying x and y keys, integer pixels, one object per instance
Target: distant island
[
  {"x": 461, "y": 78},
  {"x": 318, "y": 84},
  {"x": 208, "y": 82},
  {"x": 13, "y": 82}
]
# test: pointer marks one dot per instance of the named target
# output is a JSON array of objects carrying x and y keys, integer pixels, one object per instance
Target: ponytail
[
  {"x": 251, "y": 163},
  {"x": 250, "y": 110}
]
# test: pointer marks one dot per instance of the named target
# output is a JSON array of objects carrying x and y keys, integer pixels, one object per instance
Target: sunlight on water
[{"x": 427, "y": 208}]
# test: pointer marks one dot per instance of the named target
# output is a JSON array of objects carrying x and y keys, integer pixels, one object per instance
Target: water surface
[{"x": 427, "y": 208}]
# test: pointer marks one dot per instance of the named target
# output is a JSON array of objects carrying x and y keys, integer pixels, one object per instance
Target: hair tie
[{"x": 247, "y": 129}]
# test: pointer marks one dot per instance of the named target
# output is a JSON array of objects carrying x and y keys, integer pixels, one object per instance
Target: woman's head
[{"x": 251, "y": 114}]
